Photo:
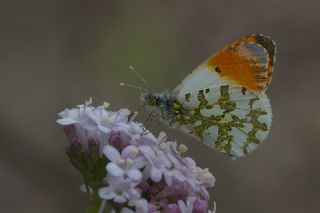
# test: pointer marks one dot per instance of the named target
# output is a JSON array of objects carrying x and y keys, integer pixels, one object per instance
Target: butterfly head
[
  {"x": 160, "y": 104},
  {"x": 157, "y": 100},
  {"x": 150, "y": 99}
]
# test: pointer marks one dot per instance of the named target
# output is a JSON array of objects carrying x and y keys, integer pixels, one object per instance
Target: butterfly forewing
[
  {"x": 247, "y": 62},
  {"x": 226, "y": 118}
]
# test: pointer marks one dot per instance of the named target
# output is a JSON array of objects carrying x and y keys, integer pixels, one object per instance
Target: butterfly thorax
[{"x": 163, "y": 105}]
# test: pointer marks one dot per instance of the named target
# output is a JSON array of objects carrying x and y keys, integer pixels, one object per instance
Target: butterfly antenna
[
  {"x": 139, "y": 75},
  {"x": 133, "y": 86}
]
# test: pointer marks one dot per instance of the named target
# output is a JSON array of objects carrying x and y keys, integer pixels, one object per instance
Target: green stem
[{"x": 94, "y": 203}]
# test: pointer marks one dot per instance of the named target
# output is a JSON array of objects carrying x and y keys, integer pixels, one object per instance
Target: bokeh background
[{"x": 56, "y": 54}]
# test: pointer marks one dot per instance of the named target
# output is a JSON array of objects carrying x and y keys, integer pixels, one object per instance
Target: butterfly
[{"x": 222, "y": 102}]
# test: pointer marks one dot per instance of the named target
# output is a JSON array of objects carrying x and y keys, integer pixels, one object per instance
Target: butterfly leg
[{"x": 147, "y": 124}]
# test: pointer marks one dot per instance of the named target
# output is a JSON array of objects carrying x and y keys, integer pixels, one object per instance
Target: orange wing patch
[{"x": 248, "y": 62}]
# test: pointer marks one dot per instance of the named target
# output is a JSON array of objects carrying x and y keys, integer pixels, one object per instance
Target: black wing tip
[{"x": 267, "y": 42}]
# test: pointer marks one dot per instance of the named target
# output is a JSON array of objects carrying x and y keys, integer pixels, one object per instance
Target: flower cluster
[{"x": 141, "y": 173}]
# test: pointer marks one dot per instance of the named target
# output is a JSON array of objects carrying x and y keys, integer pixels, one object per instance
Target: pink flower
[{"x": 139, "y": 172}]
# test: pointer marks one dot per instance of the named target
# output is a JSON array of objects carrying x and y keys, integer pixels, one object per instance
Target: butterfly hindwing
[{"x": 226, "y": 118}]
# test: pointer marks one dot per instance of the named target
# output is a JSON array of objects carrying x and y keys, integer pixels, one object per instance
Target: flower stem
[{"x": 94, "y": 203}]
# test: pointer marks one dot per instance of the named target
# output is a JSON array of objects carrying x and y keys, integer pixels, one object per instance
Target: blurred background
[{"x": 57, "y": 54}]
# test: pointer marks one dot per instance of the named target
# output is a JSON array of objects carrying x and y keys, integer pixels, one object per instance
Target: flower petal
[
  {"x": 104, "y": 129},
  {"x": 141, "y": 206},
  {"x": 111, "y": 153},
  {"x": 134, "y": 174},
  {"x": 120, "y": 199},
  {"x": 126, "y": 210},
  {"x": 129, "y": 152},
  {"x": 115, "y": 170},
  {"x": 156, "y": 174},
  {"x": 162, "y": 162},
  {"x": 147, "y": 151},
  {"x": 66, "y": 121},
  {"x": 106, "y": 193},
  {"x": 139, "y": 162}
]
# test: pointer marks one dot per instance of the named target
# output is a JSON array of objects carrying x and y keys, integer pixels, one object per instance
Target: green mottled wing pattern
[{"x": 228, "y": 119}]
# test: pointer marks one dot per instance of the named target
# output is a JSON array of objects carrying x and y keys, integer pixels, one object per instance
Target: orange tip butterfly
[{"x": 222, "y": 102}]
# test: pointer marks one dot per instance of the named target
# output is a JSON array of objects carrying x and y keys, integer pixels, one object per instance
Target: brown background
[{"x": 56, "y": 54}]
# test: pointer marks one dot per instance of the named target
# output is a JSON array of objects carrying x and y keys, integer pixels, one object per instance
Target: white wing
[
  {"x": 201, "y": 77},
  {"x": 226, "y": 118}
]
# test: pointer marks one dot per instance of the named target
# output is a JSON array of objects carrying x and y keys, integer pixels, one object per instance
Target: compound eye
[{"x": 152, "y": 102}]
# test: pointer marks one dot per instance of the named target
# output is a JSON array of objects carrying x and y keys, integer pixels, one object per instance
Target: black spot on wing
[
  {"x": 217, "y": 69},
  {"x": 243, "y": 90},
  {"x": 187, "y": 97}
]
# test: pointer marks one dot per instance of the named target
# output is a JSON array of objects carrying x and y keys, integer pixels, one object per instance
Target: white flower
[
  {"x": 126, "y": 164},
  {"x": 120, "y": 189},
  {"x": 126, "y": 210},
  {"x": 186, "y": 207},
  {"x": 157, "y": 163},
  {"x": 141, "y": 205}
]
